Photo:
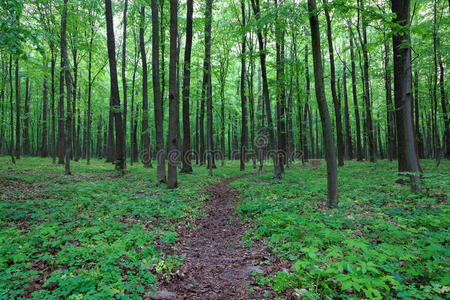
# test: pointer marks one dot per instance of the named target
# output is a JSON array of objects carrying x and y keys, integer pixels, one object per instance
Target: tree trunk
[
  {"x": 65, "y": 72},
  {"x": 416, "y": 116},
  {"x": 11, "y": 124},
  {"x": 120, "y": 153},
  {"x": 186, "y": 153},
  {"x": 307, "y": 112},
  {"x": 391, "y": 151},
  {"x": 124, "y": 80},
  {"x": 17, "y": 81},
  {"x": 52, "y": 91},
  {"x": 44, "y": 152},
  {"x": 369, "y": 123},
  {"x": 26, "y": 117},
  {"x": 160, "y": 154},
  {"x": 244, "y": 129},
  {"x": 403, "y": 93},
  {"x": 330, "y": 154},
  {"x": 262, "y": 56},
  {"x": 146, "y": 155},
  {"x": 336, "y": 102},
  {"x": 208, "y": 21},
  {"x": 172, "y": 139},
  {"x": 348, "y": 133},
  {"x": 359, "y": 154}
]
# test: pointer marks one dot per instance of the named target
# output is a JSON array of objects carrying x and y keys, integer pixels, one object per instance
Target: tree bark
[
  {"x": 124, "y": 80},
  {"x": 186, "y": 153},
  {"x": 336, "y": 102},
  {"x": 114, "y": 85},
  {"x": 330, "y": 154},
  {"x": 359, "y": 154},
  {"x": 11, "y": 124},
  {"x": 146, "y": 155},
  {"x": 391, "y": 144},
  {"x": 157, "y": 100},
  {"x": 65, "y": 72},
  {"x": 262, "y": 56},
  {"x": 244, "y": 129},
  {"x": 208, "y": 91},
  {"x": 403, "y": 93},
  {"x": 26, "y": 117},
  {"x": 348, "y": 133},
  {"x": 172, "y": 138},
  {"x": 17, "y": 86}
]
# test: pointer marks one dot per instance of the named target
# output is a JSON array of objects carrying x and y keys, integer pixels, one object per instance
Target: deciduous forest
[{"x": 224, "y": 149}]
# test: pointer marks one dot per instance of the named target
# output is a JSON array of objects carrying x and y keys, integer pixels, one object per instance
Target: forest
[{"x": 224, "y": 149}]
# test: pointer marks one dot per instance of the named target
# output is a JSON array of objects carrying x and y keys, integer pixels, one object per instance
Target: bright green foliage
[
  {"x": 381, "y": 242},
  {"x": 94, "y": 234}
]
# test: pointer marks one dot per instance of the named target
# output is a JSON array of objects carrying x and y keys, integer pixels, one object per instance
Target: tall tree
[
  {"x": 120, "y": 151},
  {"x": 145, "y": 129},
  {"x": 330, "y": 153},
  {"x": 160, "y": 154},
  {"x": 11, "y": 119},
  {"x": 65, "y": 72},
  {"x": 124, "y": 78},
  {"x": 403, "y": 94},
  {"x": 208, "y": 91},
  {"x": 369, "y": 123},
  {"x": 359, "y": 154},
  {"x": 348, "y": 133},
  {"x": 186, "y": 153},
  {"x": 336, "y": 102},
  {"x": 262, "y": 57},
  {"x": 17, "y": 86},
  {"x": 244, "y": 129},
  {"x": 26, "y": 119},
  {"x": 172, "y": 139}
]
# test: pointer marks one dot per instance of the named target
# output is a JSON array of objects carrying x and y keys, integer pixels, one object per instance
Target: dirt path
[{"x": 216, "y": 264}]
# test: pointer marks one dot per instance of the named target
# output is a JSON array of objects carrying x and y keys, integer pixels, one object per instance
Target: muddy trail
[{"x": 217, "y": 264}]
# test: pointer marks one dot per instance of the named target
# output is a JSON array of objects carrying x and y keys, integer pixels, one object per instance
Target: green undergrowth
[
  {"x": 381, "y": 242},
  {"x": 92, "y": 235}
]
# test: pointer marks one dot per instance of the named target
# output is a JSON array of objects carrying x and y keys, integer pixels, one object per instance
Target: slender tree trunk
[
  {"x": 52, "y": 91},
  {"x": 244, "y": 129},
  {"x": 262, "y": 56},
  {"x": 65, "y": 72},
  {"x": 146, "y": 154},
  {"x": 17, "y": 81},
  {"x": 11, "y": 124},
  {"x": 416, "y": 116},
  {"x": 391, "y": 151},
  {"x": 89, "y": 112},
  {"x": 186, "y": 153},
  {"x": 160, "y": 154},
  {"x": 369, "y": 123},
  {"x": 330, "y": 154},
  {"x": 403, "y": 93},
  {"x": 44, "y": 152},
  {"x": 26, "y": 135},
  {"x": 348, "y": 133},
  {"x": 336, "y": 102},
  {"x": 208, "y": 21},
  {"x": 133, "y": 121},
  {"x": 120, "y": 153},
  {"x": 163, "y": 60},
  {"x": 172, "y": 138},
  {"x": 124, "y": 80},
  {"x": 359, "y": 154},
  {"x": 307, "y": 111}
]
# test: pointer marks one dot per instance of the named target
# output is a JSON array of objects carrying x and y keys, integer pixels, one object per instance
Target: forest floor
[
  {"x": 217, "y": 262},
  {"x": 237, "y": 235}
]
